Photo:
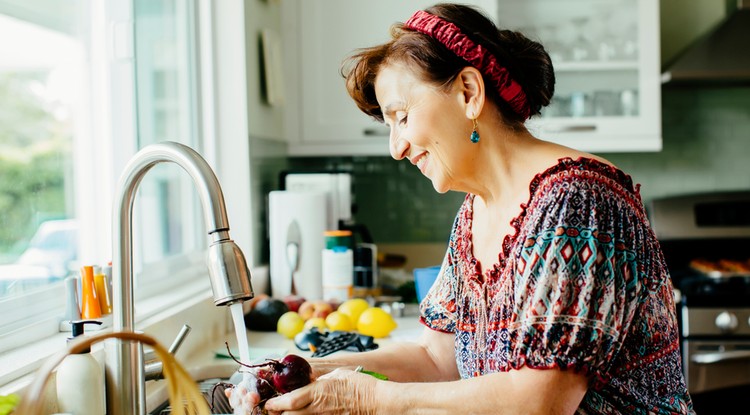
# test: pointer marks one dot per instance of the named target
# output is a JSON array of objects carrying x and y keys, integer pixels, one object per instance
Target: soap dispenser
[{"x": 80, "y": 379}]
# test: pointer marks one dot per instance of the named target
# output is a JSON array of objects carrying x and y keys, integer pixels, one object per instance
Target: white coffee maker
[
  {"x": 336, "y": 185},
  {"x": 308, "y": 205}
]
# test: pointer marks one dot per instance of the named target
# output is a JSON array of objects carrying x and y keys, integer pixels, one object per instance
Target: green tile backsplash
[
  {"x": 393, "y": 199},
  {"x": 706, "y": 135}
]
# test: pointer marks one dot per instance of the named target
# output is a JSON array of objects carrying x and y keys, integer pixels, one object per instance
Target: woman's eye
[{"x": 402, "y": 118}]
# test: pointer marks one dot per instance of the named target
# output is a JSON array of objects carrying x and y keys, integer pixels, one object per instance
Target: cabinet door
[
  {"x": 327, "y": 32},
  {"x": 606, "y": 59}
]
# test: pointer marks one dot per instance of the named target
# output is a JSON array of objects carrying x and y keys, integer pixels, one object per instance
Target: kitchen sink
[{"x": 206, "y": 376}]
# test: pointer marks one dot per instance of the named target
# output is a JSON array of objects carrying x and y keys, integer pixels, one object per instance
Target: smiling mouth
[{"x": 420, "y": 161}]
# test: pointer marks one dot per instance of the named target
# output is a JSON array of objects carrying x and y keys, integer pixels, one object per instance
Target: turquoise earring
[{"x": 474, "y": 133}]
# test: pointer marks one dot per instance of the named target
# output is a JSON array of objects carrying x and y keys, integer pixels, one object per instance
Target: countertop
[{"x": 204, "y": 363}]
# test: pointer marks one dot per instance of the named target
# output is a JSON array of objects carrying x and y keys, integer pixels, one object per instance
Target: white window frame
[
  {"x": 178, "y": 269},
  {"x": 101, "y": 161},
  {"x": 113, "y": 85}
]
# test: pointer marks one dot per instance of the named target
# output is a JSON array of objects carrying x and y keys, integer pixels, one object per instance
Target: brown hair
[{"x": 526, "y": 61}]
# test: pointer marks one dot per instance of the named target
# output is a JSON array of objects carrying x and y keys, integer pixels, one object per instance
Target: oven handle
[{"x": 711, "y": 358}]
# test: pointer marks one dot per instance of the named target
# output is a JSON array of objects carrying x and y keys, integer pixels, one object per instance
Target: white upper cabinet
[
  {"x": 606, "y": 58},
  {"x": 322, "y": 119},
  {"x": 605, "y": 53}
]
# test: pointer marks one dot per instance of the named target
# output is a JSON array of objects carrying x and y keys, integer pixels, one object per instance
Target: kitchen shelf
[{"x": 596, "y": 66}]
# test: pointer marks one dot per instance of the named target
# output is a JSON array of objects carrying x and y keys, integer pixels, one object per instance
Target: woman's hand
[
  {"x": 240, "y": 397},
  {"x": 341, "y": 391},
  {"x": 321, "y": 366}
]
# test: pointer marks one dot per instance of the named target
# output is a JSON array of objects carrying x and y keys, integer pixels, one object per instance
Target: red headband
[{"x": 451, "y": 36}]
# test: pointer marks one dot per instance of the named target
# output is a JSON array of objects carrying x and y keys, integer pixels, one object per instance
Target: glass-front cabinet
[
  {"x": 605, "y": 54},
  {"x": 606, "y": 59}
]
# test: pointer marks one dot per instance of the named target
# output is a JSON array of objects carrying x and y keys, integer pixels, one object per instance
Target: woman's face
[{"x": 428, "y": 125}]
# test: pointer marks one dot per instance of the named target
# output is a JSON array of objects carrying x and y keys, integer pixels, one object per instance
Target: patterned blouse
[{"x": 581, "y": 285}]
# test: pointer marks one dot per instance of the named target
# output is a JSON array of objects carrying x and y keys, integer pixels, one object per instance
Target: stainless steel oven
[{"x": 706, "y": 244}]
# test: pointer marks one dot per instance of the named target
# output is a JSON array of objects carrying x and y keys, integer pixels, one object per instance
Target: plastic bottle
[
  {"x": 102, "y": 291},
  {"x": 72, "y": 309},
  {"x": 80, "y": 380},
  {"x": 366, "y": 271},
  {"x": 107, "y": 271},
  {"x": 89, "y": 303},
  {"x": 338, "y": 266}
]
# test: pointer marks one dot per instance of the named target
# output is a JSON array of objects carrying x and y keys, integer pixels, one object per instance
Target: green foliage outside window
[{"x": 35, "y": 160}]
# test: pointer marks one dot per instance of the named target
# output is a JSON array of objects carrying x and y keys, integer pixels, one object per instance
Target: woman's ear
[{"x": 472, "y": 90}]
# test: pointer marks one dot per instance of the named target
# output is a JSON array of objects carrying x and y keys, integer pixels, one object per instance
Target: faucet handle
[
  {"x": 152, "y": 368},
  {"x": 179, "y": 339}
]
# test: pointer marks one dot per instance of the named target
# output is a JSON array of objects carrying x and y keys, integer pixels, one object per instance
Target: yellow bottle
[{"x": 102, "y": 291}]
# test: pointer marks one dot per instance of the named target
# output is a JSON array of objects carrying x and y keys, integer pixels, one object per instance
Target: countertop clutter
[{"x": 213, "y": 361}]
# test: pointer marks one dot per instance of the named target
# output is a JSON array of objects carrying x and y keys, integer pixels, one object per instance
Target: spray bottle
[{"x": 80, "y": 379}]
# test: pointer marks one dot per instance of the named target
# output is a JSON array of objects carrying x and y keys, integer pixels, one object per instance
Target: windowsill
[{"x": 160, "y": 316}]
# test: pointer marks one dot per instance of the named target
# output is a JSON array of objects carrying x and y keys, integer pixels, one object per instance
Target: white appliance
[
  {"x": 317, "y": 202},
  {"x": 297, "y": 220},
  {"x": 338, "y": 188}
]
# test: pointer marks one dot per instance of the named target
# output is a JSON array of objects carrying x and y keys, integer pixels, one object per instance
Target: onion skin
[
  {"x": 264, "y": 386},
  {"x": 290, "y": 373},
  {"x": 276, "y": 377}
]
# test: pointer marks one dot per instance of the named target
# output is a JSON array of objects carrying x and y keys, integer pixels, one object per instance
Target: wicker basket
[{"x": 184, "y": 395}]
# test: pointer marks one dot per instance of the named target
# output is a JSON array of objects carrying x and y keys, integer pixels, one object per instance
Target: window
[
  {"x": 167, "y": 216},
  {"x": 72, "y": 111},
  {"x": 43, "y": 95},
  {"x": 39, "y": 117}
]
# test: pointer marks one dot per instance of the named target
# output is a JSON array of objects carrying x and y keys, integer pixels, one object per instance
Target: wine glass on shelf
[
  {"x": 606, "y": 45},
  {"x": 582, "y": 48},
  {"x": 624, "y": 28},
  {"x": 550, "y": 38}
]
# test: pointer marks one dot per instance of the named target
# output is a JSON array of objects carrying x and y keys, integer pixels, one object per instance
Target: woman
[{"x": 553, "y": 297}]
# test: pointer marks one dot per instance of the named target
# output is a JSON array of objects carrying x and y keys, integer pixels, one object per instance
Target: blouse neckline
[{"x": 563, "y": 164}]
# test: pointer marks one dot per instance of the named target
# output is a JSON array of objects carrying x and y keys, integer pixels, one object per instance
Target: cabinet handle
[
  {"x": 377, "y": 131},
  {"x": 569, "y": 128}
]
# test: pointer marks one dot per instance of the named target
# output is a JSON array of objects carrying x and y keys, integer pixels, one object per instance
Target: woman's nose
[{"x": 399, "y": 147}]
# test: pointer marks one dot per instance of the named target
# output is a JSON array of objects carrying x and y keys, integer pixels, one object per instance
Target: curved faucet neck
[
  {"x": 125, "y": 377},
  {"x": 209, "y": 192}
]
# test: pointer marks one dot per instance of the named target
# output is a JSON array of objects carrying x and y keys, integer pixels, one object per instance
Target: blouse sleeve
[
  {"x": 579, "y": 268},
  {"x": 438, "y": 308}
]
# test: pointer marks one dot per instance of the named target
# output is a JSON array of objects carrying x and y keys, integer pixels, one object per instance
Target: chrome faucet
[{"x": 227, "y": 267}]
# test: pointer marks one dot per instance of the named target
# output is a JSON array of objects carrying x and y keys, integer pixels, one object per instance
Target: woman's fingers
[
  {"x": 338, "y": 392},
  {"x": 241, "y": 397},
  {"x": 296, "y": 399}
]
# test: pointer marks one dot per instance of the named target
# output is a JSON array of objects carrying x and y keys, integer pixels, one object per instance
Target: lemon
[
  {"x": 318, "y": 322},
  {"x": 289, "y": 324},
  {"x": 375, "y": 322},
  {"x": 354, "y": 308},
  {"x": 339, "y": 321}
]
